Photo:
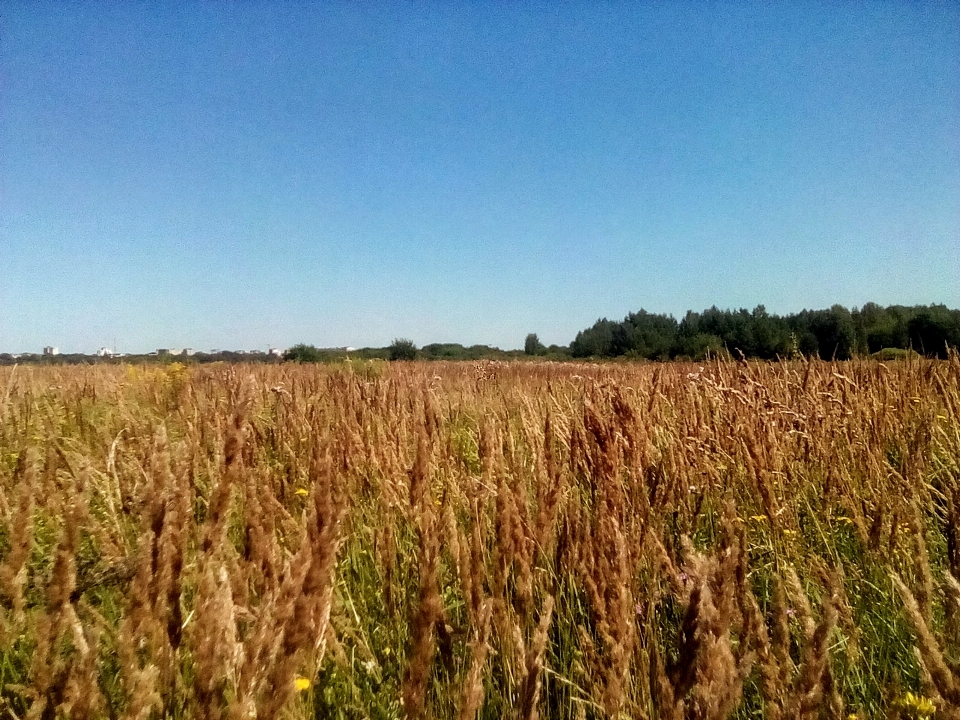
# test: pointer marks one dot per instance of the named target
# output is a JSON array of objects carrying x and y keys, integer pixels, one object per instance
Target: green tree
[
  {"x": 645, "y": 335},
  {"x": 302, "y": 353},
  {"x": 532, "y": 345},
  {"x": 403, "y": 349},
  {"x": 831, "y": 334},
  {"x": 596, "y": 341},
  {"x": 700, "y": 347},
  {"x": 933, "y": 329}
]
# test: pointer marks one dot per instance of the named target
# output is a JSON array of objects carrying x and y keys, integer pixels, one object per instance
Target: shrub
[
  {"x": 894, "y": 354},
  {"x": 303, "y": 354},
  {"x": 403, "y": 349}
]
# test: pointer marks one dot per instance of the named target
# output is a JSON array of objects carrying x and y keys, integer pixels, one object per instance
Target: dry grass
[{"x": 481, "y": 541}]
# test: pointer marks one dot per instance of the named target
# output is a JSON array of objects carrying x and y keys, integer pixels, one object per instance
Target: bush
[
  {"x": 894, "y": 354},
  {"x": 403, "y": 349},
  {"x": 302, "y": 353}
]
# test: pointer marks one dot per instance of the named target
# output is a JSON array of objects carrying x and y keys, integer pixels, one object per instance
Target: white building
[
  {"x": 105, "y": 352},
  {"x": 51, "y": 350},
  {"x": 276, "y": 352}
]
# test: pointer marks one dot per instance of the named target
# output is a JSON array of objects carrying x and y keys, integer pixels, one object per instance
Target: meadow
[{"x": 490, "y": 540}]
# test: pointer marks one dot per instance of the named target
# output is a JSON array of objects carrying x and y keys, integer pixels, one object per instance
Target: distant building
[
  {"x": 162, "y": 351},
  {"x": 51, "y": 350},
  {"x": 105, "y": 352},
  {"x": 188, "y": 352},
  {"x": 277, "y": 352},
  {"x": 170, "y": 351}
]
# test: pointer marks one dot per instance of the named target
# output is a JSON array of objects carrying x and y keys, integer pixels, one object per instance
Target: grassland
[{"x": 492, "y": 540}]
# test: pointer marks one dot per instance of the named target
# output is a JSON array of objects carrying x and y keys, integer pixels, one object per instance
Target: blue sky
[{"x": 238, "y": 175}]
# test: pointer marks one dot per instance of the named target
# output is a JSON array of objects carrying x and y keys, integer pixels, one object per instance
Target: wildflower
[
  {"x": 917, "y": 705},
  {"x": 302, "y": 492},
  {"x": 176, "y": 372},
  {"x": 301, "y": 684},
  {"x": 845, "y": 519},
  {"x": 758, "y": 518}
]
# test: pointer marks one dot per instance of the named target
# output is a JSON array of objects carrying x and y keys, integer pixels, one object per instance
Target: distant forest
[
  {"x": 835, "y": 333},
  {"x": 886, "y": 332}
]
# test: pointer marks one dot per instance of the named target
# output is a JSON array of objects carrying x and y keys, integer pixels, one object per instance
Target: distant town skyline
[
  {"x": 261, "y": 174},
  {"x": 105, "y": 351}
]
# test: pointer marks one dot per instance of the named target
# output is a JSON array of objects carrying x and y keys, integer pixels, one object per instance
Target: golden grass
[{"x": 481, "y": 541}]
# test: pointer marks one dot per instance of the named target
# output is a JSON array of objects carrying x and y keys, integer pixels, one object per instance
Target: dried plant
[{"x": 546, "y": 539}]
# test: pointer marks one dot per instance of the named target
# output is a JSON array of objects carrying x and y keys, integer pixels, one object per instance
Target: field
[{"x": 458, "y": 540}]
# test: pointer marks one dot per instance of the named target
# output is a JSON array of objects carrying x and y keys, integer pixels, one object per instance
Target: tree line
[
  {"x": 835, "y": 333},
  {"x": 838, "y": 333}
]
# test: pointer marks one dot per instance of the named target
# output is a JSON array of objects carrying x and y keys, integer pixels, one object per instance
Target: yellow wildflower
[
  {"x": 918, "y": 705},
  {"x": 302, "y": 492},
  {"x": 301, "y": 684}
]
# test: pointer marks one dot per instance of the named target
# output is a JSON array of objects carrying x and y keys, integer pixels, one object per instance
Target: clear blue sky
[{"x": 238, "y": 175}]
